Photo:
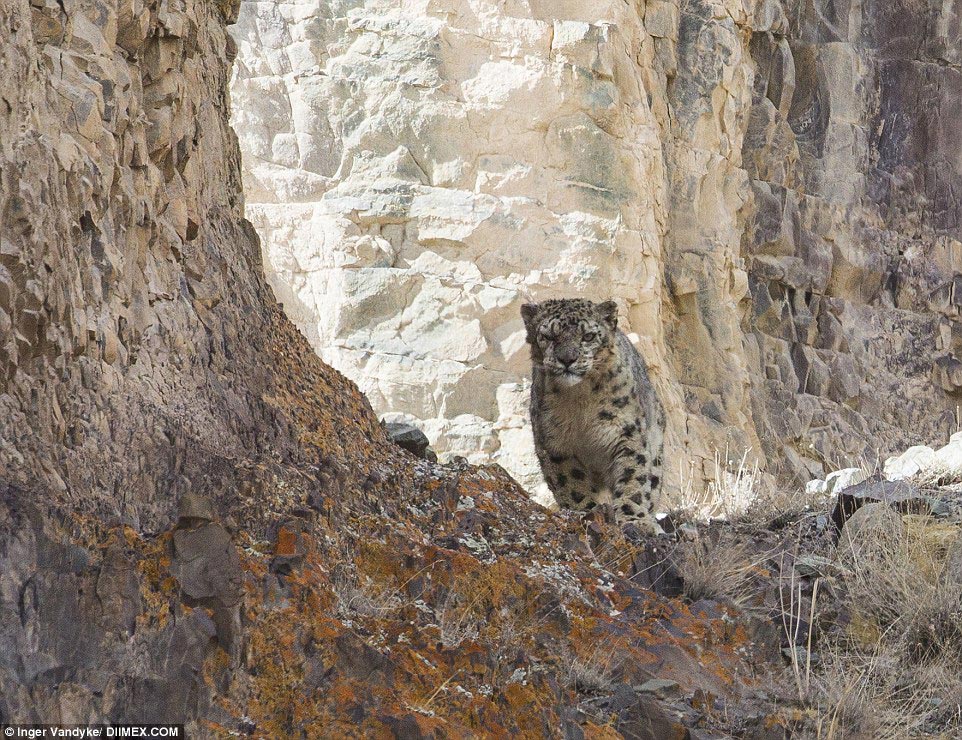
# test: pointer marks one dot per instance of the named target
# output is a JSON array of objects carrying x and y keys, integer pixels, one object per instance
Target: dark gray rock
[
  {"x": 653, "y": 568},
  {"x": 70, "y": 644},
  {"x": 814, "y": 566},
  {"x": 207, "y": 568},
  {"x": 410, "y": 438},
  {"x": 658, "y": 686},
  {"x": 902, "y": 495},
  {"x": 195, "y": 508},
  {"x": 642, "y": 717},
  {"x": 206, "y": 565}
]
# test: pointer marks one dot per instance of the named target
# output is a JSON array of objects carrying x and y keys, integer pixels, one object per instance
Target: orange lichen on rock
[
  {"x": 462, "y": 610},
  {"x": 286, "y": 543}
]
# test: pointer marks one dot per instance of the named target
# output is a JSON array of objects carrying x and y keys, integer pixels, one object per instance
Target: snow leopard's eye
[{"x": 589, "y": 336}]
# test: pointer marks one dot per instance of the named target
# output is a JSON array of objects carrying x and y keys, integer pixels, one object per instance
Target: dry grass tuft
[
  {"x": 457, "y": 622},
  {"x": 938, "y": 476},
  {"x": 360, "y": 596},
  {"x": 878, "y": 695},
  {"x": 876, "y": 638},
  {"x": 723, "y": 570},
  {"x": 739, "y": 492},
  {"x": 729, "y": 494},
  {"x": 893, "y": 672},
  {"x": 892, "y": 582},
  {"x": 594, "y": 672}
]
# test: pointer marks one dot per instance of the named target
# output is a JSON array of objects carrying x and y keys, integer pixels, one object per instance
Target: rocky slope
[
  {"x": 767, "y": 187},
  {"x": 201, "y": 522}
]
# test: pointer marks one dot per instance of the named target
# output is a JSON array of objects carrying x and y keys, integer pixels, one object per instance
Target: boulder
[
  {"x": 910, "y": 463},
  {"x": 207, "y": 567},
  {"x": 657, "y": 686},
  {"x": 900, "y": 494},
  {"x": 410, "y": 438},
  {"x": 842, "y": 479},
  {"x": 816, "y": 487},
  {"x": 195, "y": 508},
  {"x": 947, "y": 462}
]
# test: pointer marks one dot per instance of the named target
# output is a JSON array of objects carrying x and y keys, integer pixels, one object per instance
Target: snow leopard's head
[{"x": 570, "y": 337}]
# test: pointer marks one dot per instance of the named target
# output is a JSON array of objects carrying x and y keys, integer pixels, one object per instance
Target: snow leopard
[{"x": 598, "y": 423}]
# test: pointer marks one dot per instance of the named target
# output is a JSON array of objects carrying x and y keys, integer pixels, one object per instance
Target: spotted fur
[{"x": 598, "y": 424}]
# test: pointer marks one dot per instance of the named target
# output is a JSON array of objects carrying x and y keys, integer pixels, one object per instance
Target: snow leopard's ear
[
  {"x": 608, "y": 312},
  {"x": 529, "y": 312}
]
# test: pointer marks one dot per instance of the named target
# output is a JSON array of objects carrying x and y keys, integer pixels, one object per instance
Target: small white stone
[
  {"x": 948, "y": 459},
  {"x": 842, "y": 479},
  {"x": 815, "y": 487},
  {"x": 911, "y": 462}
]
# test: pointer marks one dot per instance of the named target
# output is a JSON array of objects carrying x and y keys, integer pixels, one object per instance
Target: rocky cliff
[
  {"x": 767, "y": 187},
  {"x": 200, "y": 522},
  {"x": 203, "y": 523}
]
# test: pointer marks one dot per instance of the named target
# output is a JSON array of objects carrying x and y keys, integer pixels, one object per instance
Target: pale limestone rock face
[
  {"x": 764, "y": 186},
  {"x": 418, "y": 170}
]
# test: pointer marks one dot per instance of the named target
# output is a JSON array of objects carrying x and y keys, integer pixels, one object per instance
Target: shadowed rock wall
[
  {"x": 769, "y": 189},
  {"x": 853, "y": 241},
  {"x": 133, "y": 308},
  {"x": 142, "y": 359}
]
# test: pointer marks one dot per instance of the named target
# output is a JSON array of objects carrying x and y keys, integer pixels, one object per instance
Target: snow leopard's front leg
[
  {"x": 633, "y": 482},
  {"x": 569, "y": 481}
]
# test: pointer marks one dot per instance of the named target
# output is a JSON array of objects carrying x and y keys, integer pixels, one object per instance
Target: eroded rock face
[
  {"x": 142, "y": 357},
  {"x": 767, "y": 189},
  {"x": 134, "y": 318}
]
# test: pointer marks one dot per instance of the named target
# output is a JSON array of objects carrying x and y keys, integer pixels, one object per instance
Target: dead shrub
[
  {"x": 357, "y": 595},
  {"x": 456, "y": 622},
  {"x": 719, "y": 570}
]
